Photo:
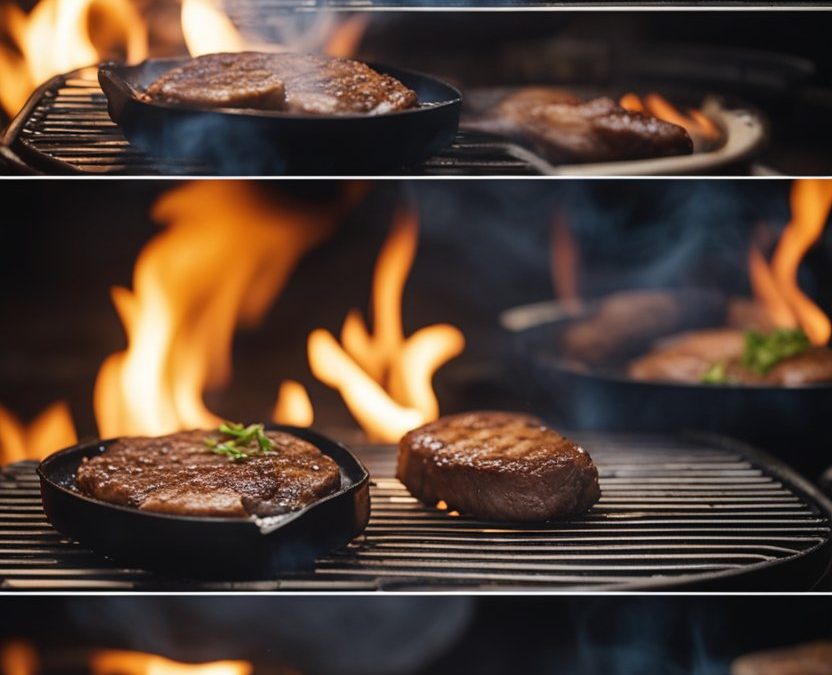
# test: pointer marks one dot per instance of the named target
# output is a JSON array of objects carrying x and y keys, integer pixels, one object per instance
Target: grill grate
[
  {"x": 673, "y": 513},
  {"x": 66, "y": 128}
]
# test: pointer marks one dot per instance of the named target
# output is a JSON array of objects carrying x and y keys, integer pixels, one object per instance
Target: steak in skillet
[
  {"x": 179, "y": 474},
  {"x": 498, "y": 466},
  {"x": 564, "y": 129},
  {"x": 687, "y": 358},
  {"x": 295, "y": 83}
]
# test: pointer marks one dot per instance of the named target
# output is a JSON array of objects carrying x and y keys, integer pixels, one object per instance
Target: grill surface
[
  {"x": 674, "y": 513},
  {"x": 66, "y": 128}
]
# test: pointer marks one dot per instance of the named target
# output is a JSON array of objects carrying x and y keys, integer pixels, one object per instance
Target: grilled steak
[
  {"x": 814, "y": 658},
  {"x": 178, "y": 474},
  {"x": 296, "y": 83},
  {"x": 499, "y": 466},
  {"x": 688, "y": 357},
  {"x": 563, "y": 128}
]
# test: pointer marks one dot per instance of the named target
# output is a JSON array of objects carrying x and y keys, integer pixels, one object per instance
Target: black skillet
[
  {"x": 208, "y": 547},
  {"x": 792, "y": 423},
  {"x": 263, "y": 142}
]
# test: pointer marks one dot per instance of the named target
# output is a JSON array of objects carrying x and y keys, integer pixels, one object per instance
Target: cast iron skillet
[
  {"x": 792, "y": 423},
  {"x": 208, "y": 547},
  {"x": 256, "y": 141}
]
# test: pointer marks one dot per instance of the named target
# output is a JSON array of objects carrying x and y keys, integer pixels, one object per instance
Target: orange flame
[
  {"x": 695, "y": 122},
  {"x": 58, "y": 36},
  {"x": 207, "y": 29},
  {"x": 565, "y": 255},
  {"x": 116, "y": 662},
  {"x": 293, "y": 405},
  {"x": 51, "y": 430},
  {"x": 346, "y": 38},
  {"x": 18, "y": 658},
  {"x": 775, "y": 284},
  {"x": 226, "y": 253},
  {"x": 384, "y": 378}
]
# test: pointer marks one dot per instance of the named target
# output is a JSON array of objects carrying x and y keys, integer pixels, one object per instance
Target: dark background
[{"x": 695, "y": 635}]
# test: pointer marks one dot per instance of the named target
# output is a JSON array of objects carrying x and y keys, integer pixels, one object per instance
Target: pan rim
[{"x": 265, "y": 526}]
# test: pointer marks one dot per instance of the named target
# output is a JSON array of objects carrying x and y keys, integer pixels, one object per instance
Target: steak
[
  {"x": 179, "y": 474},
  {"x": 564, "y": 129},
  {"x": 687, "y": 358},
  {"x": 295, "y": 83},
  {"x": 498, "y": 466}
]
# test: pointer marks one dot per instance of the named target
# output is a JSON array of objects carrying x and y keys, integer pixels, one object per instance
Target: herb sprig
[
  {"x": 245, "y": 441},
  {"x": 716, "y": 374},
  {"x": 763, "y": 352}
]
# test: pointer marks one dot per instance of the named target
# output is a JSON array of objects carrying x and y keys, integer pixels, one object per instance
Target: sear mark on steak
[
  {"x": 564, "y": 129},
  {"x": 498, "y": 466},
  {"x": 178, "y": 474},
  {"x": 295, "y": 83}
]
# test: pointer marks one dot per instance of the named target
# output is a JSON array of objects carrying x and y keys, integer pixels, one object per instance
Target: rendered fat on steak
[
  {"x": 564, "y": 128},
  {"x": 296, "y": 83},
  {"x": 498, "y": 466},
  {"x": 178, "y": 474}
]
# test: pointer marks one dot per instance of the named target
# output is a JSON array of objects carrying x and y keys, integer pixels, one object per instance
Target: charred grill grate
[
  {"x": 673, "y": 513},
  {"x": 66, "y": 128}
]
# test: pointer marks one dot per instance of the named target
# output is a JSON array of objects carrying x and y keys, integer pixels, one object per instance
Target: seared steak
[
  {"x": 178, "y": 474},
  {"x": 297, "y": 83},
  {"x": 689, "y": 356},
  {"x": 499, "y": 466},
  {"x": 563, "y": 128}
]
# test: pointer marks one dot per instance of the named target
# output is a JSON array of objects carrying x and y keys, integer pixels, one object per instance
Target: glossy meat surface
[
  {"x": 178, "y": 474},
  {"x": 295, "y": 83},
  {"x": 499, "y": 466}
]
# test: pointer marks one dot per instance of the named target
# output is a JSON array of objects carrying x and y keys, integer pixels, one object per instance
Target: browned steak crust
[
  {"x": 498, "y": 466},
  {"x": 563, "y": 128},
  {"x": 178, "y": 474},
  {"x": 297, "y": 83}
]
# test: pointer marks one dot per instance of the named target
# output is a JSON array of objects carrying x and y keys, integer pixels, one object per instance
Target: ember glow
[
  {"x": 18, "y": 658},
  {"x": 700, "y": 127},
  {"x": 58, "y": 36},
  {"x": 565, "y": 254},
  {"x": 116, "y": 662},
  {"x": 51, "y": 430},
  {"x": 775, "y": 283},
  {"x": 384, "y": 378},
  {"x": 226, "y": 252}
]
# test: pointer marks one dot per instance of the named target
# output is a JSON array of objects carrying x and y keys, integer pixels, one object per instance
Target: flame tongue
[
  {"x": 115, "y": 662},
  {"x": 700, "y": 127},
  {"x": 56, "y": 37},
  {"x": 775, "y": 285},
  {"x": 225, "y": 255},
  {"x": 51, "y": 430},
  {"x": 383, "y": 377}
]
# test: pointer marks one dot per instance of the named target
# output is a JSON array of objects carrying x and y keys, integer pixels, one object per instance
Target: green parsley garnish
[
  {"x": 763, "y": 352},
  {"x": 244, "y": 441},
  {"x": 716, "y": 374}
]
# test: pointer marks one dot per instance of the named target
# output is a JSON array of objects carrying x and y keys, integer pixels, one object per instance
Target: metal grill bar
[
  {"x": 671, "y": 512},
  {"x": 68, "y": 129}
]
